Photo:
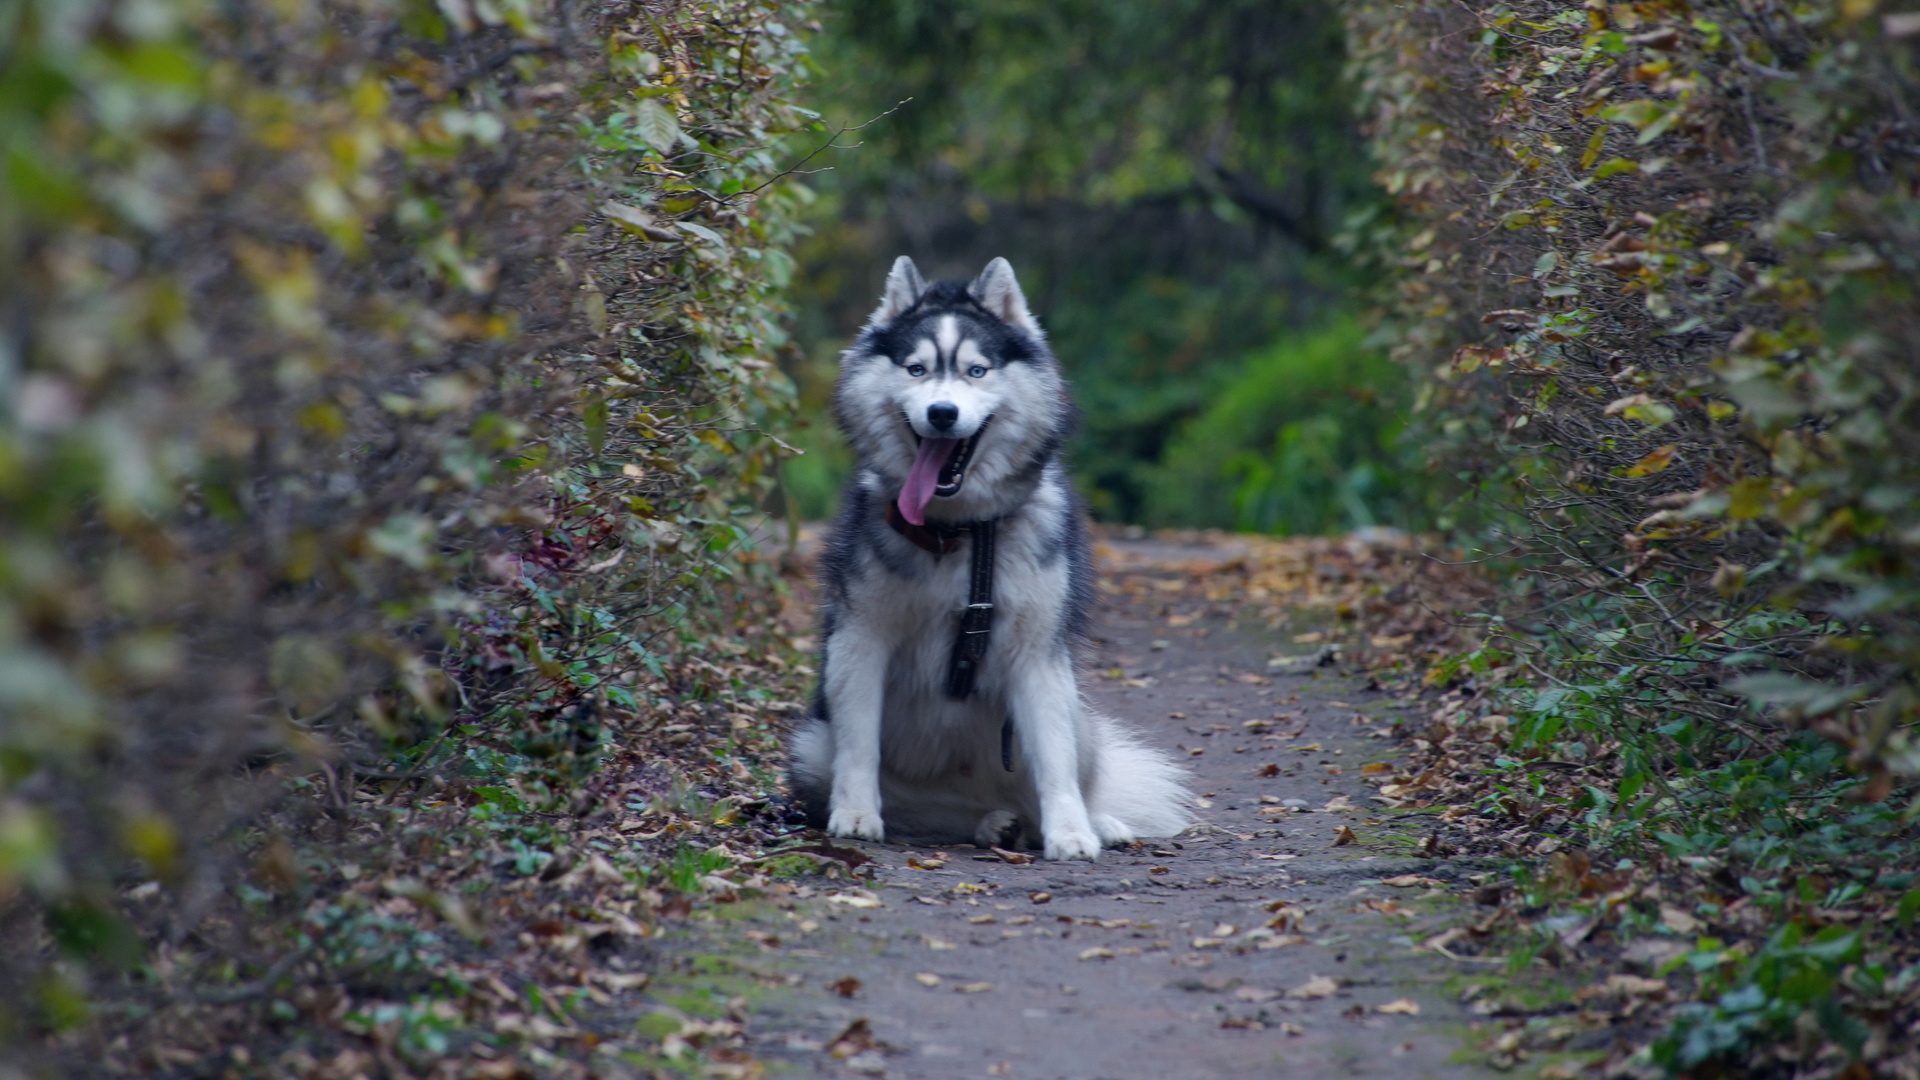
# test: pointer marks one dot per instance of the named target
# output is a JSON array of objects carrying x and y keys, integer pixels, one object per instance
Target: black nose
[{"x": 943, "y": 414}]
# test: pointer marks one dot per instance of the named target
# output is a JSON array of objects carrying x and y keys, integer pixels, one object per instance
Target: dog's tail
[{"x": 1135, "y": 783}]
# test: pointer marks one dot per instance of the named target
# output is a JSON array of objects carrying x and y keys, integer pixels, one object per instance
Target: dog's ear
[
  {"x": 904, "y": 286},
  {"x": 998, "y": 292}
]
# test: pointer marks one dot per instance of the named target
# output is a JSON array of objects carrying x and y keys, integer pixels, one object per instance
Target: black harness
[{"x": 976, "y": 622}]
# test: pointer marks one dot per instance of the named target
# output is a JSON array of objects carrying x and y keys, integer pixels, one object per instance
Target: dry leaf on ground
[
  {"x": 1317, "y": 987},
  {"x": 857, "y": 1038},
  {"x": 1409, "y": 881}
]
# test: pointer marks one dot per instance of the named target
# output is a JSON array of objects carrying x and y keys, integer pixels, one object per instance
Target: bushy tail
[{"x": 1137, "y": 784}]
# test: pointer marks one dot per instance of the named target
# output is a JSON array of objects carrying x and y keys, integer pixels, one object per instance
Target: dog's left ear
[
  {"x": 998, "y": 292},
  {"x": 904, "y": 286}
]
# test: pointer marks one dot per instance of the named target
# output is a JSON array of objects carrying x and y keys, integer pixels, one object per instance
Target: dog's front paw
[
  {"x": 1076, "y": 844},
  {"x": 1112, "y": 831},
  {"x": 856, "y": 824}
]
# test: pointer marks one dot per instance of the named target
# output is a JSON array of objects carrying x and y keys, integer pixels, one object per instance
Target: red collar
[{"x": 939, "y": 539}]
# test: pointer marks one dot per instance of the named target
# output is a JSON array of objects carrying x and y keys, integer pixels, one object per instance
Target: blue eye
[
  {"x": 916, "y": 370},
  {"x": 977, "y": 371}
]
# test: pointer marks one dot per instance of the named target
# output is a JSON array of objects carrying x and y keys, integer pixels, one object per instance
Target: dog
[{"x": 948, "y": 708}]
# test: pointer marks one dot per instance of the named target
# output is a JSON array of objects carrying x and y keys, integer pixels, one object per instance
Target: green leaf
[
  {"x": 656, "y": 124},
  {"x": 1616, "y": 166},
  {"x": 595, "y": 417}
]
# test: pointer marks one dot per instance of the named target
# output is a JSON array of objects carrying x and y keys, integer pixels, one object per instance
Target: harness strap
[{"x": 976, "y": 624}]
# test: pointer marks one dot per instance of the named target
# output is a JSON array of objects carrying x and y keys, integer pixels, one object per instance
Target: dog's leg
[
  {"x": 856, "y": 668},
  {"x": 1046, "y": 715}
]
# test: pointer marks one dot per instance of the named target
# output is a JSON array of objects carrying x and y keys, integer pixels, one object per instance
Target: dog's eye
[
  {"x": 977, "y": 371},
  {"x": 916, "y": 370}
]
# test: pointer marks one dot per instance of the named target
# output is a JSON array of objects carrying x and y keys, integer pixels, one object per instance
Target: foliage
[
  {"x": 1655, "y": 269},
  {"x": 1301, "y": 437},
  {"x": 1168, "y": 180},
  {"x": 380, "y": 379}
]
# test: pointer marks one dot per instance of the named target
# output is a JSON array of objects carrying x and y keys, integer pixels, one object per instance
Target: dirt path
[{"x": 1157, "y": 961}]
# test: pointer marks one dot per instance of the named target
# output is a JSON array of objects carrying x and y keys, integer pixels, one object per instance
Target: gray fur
[{"x": 885, "y": 752}]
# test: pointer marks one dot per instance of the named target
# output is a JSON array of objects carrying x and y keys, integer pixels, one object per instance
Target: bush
[
  {"x": 376, "y": 375},
  {"x": 1656, "y": 274},
  {"x": 1301, "y": 437}
]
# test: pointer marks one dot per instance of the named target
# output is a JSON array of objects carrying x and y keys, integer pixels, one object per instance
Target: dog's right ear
[{"x": 904, "y": 287}]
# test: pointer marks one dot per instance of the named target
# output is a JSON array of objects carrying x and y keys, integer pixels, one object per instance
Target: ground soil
[{"x": 1142, "y": 964}]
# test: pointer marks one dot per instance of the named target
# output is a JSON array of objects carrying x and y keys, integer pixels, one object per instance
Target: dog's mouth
[
  {"x": 939, "y": 471},
  {"x": 954, "y": 472}
]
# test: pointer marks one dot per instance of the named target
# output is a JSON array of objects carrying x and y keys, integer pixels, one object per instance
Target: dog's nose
[{"x": 943, "y": 414}]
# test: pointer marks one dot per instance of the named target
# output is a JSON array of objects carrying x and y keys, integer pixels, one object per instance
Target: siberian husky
[{"x": 948, "y": 708}]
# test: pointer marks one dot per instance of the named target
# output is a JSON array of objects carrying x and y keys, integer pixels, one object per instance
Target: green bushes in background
[
  {"x": 1300, "y": 437},
  {"x": 370, "y": 373}
]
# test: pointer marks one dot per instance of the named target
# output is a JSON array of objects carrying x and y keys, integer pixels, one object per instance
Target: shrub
[
  {"x": 1301, "y": 437},
  {"x": 368, "y": 367}
]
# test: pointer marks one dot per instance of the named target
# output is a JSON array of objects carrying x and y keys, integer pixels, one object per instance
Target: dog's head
[{"x": 950, "y": 395}]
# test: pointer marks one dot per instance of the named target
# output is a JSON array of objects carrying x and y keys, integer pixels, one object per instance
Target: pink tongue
[{"x": 924, "y": 477}]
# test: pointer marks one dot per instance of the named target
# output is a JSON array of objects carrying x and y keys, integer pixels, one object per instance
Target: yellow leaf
[
  {"x": 1400, "y": 1007},
  {"x": 1653, "y": 462}
]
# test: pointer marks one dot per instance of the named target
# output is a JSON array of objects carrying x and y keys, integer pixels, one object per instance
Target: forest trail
[{"x": 1159, "y": 960}]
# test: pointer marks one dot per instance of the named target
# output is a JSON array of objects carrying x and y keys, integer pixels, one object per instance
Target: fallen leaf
[
  {"x": 1096, "y": 954},
  {"x": 1269, "y": 770},
  {"x": 927, "y": 979},
  {"x": 1678, "y": 920},
  {"x": 1342, "y": 836},
  {"x": 1317, "y": 987},
  {"x": 1291, "y": 1030},
  {"x": 940, "y": 944},
  {"x": 1255, "y": 994},
  {"x": 846, "y": 987},
  {"x": 972, "y": 987},
  {"x": 860, "y": 899},
  {"x": 1374, "y": 768},
  {"x": 1409, "y": 881},
  {"x": 857, "y": 1038},
  {"x": 1399, "y": 1007},
  {"x": 1208, "y": 942},
  {"x": 932, "y": 862},
  {"x": 1040, "y": 897},
  {"x": 1635, "y": 986},
  {"x": 1017, "y": 858}
]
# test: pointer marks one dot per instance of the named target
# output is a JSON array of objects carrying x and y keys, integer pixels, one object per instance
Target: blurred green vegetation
[
  {"x": 380, "y": 383},
  {"x": 1176, "y": 184},
  {"x": 1302, "y": 436}
]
